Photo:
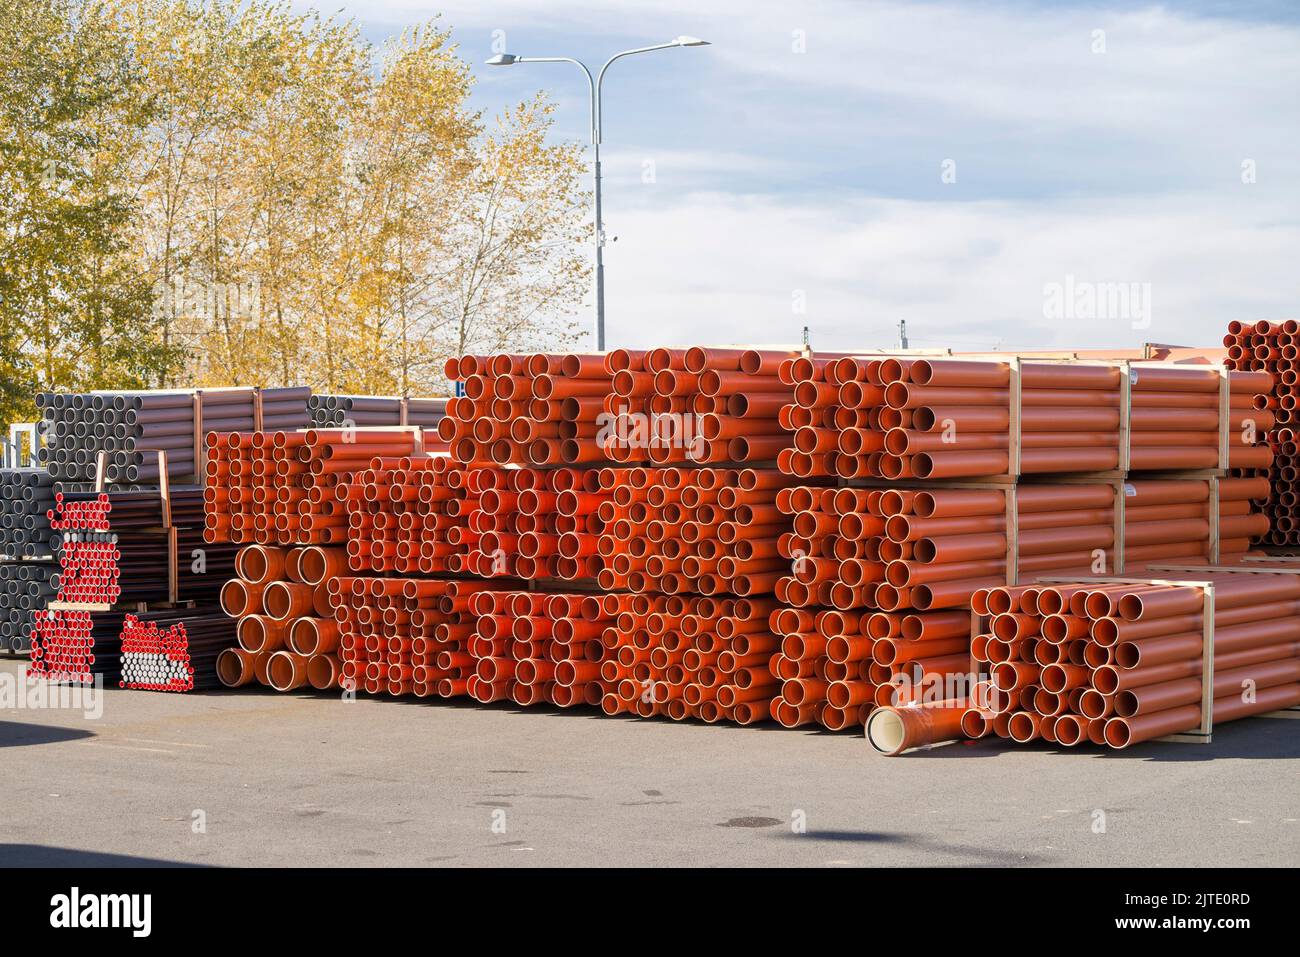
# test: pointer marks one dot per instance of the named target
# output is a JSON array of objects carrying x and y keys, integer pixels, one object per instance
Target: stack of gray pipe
[
  {"x": 25, "y": 588},
  {"x": 340, "y": 411},
  {"x": 130, "y": 426},
  {"x": 26, "y": 497}
]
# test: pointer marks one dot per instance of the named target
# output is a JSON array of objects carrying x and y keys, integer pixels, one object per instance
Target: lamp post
[{"x": 594, "y": 85}]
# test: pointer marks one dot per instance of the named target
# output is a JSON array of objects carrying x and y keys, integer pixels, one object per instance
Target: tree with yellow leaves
[{"x": 249, "y": 195}]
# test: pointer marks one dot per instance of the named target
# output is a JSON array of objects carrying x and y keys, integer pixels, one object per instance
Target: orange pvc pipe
[{"x": 892, "y": 730}]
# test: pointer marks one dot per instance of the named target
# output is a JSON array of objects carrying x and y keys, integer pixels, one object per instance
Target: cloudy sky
[{"x": 962, "y": 166}]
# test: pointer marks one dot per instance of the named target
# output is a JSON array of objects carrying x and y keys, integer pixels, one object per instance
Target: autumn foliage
[{"x": 231, "y": 192}]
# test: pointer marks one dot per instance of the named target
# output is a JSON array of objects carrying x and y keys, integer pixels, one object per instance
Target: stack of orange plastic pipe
[
  {"x": 704, "y": 530},
  {"x": 1175, "y": 418},
  {"x": 836, "y": 666},
  {"x": 1118, "y": 664},
  {"x": 695, "y": 405},
  {"x": 286, "y": 636},
  {"x": 535, "y": 648},
  {"x": 285, "y": 483},
  {"x": 229, "y": 493},
  {"x": 838, "y": 417},
  {"x": 1275, "y": 348},
  {"x": 907, "y": 554},
  {"x": 408, "y": 515},
  {"x": 648, "y": 655},
  {"x": 908, "y": 418},
  {"x": 691, "y": 657},
  {"x": 536, "y": 409},
  {"x": 401, "y": 636},
  {"x": 535, "y": 523}
]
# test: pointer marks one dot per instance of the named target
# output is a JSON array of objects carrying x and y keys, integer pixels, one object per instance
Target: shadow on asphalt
[
  {"x": 1260, "y": 738},
  {"x": 580, "y": 713},
  {"x": 18, "y": 734},
  {"x": 978, "y": 855},
  {"x": 988, "y": 747},
  {"x": 37, "y": 855}
]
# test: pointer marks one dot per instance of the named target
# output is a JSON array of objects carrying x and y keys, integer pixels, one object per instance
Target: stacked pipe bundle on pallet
[
  {"x": 174, "y": 650},
  {"x": 875, "y": 567},
  {"x": 526, "y": 409},
  {"x": 928, "y": 548},
  {"x": 78, "y": 647},
  {"x": 25, "y": 588},
  {"x": 409, "y": 515},
  {"x": 910, "y": 418},
  {"x": 280, "y": 488},
  {"x": 351, "y": 411},
  {"x": 1274, "y": 348},
  {"x": 705, "y": 530},
  {"x": 675, "y": 655},
  {"x": 114, "y": 547},
  {"x": 126, "y": 425},
  {"x": 30, "y": 579},
  {"x": 401, "y": 636},
  {"x": 535, "y": 523},
  {"x": 1122, "y": 663},
  {"x": 284, "y": 618},
  {"x": 26, "y": 497},
  {"x": 700, "y": 405}
]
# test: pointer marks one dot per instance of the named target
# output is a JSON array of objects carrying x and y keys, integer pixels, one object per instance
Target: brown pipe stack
[
  {"x": 281, "y": 604},
  {"x": 539, "y": 409},
  {"x": 1274, "y": 348},
  {"x": 706, "y": 530},
  {"x": 400, "y": 636},
  {"x": 902, "y": 418},
  {"x": 409, "y": 515},
  {"x": 281, "y": 488},
  {"x": 1118, "y": 664}
]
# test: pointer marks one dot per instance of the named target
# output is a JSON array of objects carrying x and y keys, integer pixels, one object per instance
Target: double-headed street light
[{"x": 594, "y": 85}]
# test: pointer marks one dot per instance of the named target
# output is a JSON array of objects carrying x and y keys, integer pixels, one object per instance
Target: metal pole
[
  {"x": 598, "y": 231},
  {"x": 595, "y": 83}
]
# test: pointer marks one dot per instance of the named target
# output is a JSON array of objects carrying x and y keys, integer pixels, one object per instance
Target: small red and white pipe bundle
[{"x": 174, "y": 650}]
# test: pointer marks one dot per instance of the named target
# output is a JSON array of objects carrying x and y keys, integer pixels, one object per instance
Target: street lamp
[{"x": 594, "y": 85}]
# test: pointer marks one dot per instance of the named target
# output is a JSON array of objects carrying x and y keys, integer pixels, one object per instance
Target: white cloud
[
  {"x": 780, "y": 171},
  {"x": 689, "y": 170},
  {"x": 970, "y": 274}
]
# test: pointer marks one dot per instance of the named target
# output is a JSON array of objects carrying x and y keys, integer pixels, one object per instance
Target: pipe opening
[{"x": 885, "y": 731}]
